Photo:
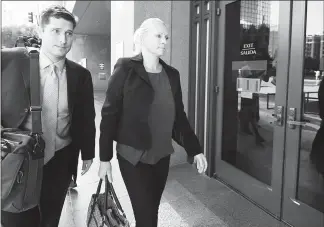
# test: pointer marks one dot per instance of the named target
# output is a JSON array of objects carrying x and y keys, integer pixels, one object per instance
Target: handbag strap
[
  {"x": 35, "y": 107},
  {"x": 94, "y": 201},
  {"x": 110, "y": 189},
  {"x": 106, "y": 192}
]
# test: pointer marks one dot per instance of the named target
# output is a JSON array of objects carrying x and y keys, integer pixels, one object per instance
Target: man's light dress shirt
[{"x": 62, "y": 137}]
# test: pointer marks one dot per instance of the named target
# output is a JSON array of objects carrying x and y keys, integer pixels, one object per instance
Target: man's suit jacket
[
  {"x": 15, "y": 99},
  {"x": 126, "y": 109}
]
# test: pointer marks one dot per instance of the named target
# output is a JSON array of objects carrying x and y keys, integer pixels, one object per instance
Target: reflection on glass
[
  {"x": 250, "y": 71},
  {"x": 311, "y": 158}
]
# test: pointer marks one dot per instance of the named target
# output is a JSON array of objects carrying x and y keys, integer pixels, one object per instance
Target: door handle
[
  {"x": 292, "y": 123},
  {"x": 296, "y": 123}
]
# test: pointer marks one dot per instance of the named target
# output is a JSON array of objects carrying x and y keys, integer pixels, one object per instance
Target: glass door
[
  {"x": 303, "y": 203},
  {"x": 253, "y": 56}
]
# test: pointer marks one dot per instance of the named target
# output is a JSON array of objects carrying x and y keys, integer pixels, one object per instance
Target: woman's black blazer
[{"x": 126, "y": 109}]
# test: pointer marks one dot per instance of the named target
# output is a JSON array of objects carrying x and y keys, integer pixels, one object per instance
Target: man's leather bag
[{"x": 22, "y": 154}]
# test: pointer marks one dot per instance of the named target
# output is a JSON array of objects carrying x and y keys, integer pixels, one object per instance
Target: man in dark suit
[{"x": 68, "y": 113}]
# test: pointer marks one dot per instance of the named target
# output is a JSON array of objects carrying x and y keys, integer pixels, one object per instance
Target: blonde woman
[{"x": 143, "y": 112}]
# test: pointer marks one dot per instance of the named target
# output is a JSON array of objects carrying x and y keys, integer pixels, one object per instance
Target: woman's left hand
[{"x": 201, "y": 162}]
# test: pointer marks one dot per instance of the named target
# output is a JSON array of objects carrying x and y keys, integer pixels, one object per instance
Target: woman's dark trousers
[{"x": 145, "y": 184}]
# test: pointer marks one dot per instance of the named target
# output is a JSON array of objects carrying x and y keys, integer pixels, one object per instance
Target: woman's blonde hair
[{"x": 138, "y": 34}]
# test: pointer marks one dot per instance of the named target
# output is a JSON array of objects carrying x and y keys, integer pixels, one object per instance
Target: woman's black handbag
[
  {"x": 22, "y": 155},
  {"x": 105, "y": 210}
]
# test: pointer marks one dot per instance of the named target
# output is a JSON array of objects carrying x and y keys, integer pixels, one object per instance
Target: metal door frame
[
  {"x": 200, "y": 63},
  {"x": 296, "y": 212},
  {"x": 268, "y": 198},
  {"x": 285, "y": 160}
]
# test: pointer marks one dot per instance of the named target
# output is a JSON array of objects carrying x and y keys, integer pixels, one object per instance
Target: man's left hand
[
  {"x": 86, "y": 166},
  {"x": 201, "y": 162}
]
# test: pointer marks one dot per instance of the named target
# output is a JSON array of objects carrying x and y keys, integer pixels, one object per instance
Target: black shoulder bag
[{"x": 22, "y": 154}]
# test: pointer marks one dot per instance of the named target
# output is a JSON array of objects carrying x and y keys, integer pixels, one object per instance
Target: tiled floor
[
  {"x": 213, "y": 203},
  {"x": 189, "y": 199}
]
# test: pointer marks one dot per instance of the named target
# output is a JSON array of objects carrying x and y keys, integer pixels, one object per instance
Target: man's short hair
[{"x": 57, "y": 12}]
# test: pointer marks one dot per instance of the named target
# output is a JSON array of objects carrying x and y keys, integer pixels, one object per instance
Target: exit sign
[{"x": 101, "y": 66}]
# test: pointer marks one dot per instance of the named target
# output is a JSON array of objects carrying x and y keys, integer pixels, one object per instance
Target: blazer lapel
[
  {"x": 171, "y": 76},
  {"x": 71, "y": 79},
  {"x": 139, "y": 68}
]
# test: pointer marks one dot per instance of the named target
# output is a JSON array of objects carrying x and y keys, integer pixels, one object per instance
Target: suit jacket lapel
[{"x": 71, "y": 79}]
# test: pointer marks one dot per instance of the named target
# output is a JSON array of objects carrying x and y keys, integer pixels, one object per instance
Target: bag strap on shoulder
[{"x": 35, "y": 107}]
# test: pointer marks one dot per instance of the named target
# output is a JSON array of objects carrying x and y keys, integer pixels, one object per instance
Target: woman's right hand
[{"x": 105, "y": 169}]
